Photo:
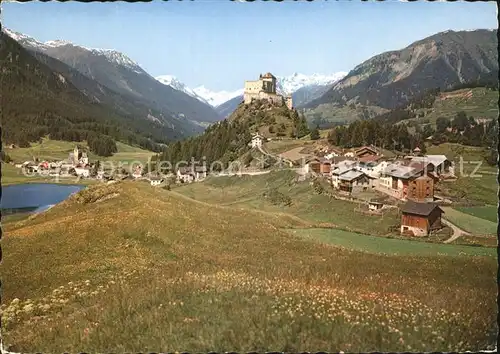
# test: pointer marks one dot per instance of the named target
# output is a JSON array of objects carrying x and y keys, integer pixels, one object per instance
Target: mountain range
[
  {"x": 391, "y": 79},
  {"x": 122, "y": 75},
  {"x": 38, "y": 100}
]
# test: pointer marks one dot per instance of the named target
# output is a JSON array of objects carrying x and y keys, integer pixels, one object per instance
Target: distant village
[{"x": 78, "y": 165}]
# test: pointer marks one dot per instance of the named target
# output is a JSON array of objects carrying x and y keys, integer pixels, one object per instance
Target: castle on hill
[{"x": 265, "y": 88}]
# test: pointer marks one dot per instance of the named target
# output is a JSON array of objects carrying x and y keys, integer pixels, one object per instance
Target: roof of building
[
  {"x": 185, "y": 170},
  {"x": 155, "y": 179},
  {"x": 423, "y": 209},
  {"x": 436, "y": 160},
  {"x": 268, "y": 75},
  {"x": 356, "y": 151},
  {"x": 257, "y": 135},
  {"x": 401, "y": 171},
  {"x": 369, "y": 158},
  {"x": 346, "y": 162},
  {"x": 312, "y": 159},
  {"x": 423, "y": 177},
  {"x": 340, "y": 170},
  {"x": 351, "y": 175},
  {"x": 338, "y": 159}
]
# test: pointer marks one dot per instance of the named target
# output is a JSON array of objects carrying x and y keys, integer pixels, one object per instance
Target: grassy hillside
[
  {"x": 269, "y": 120},
  {"x": 479, "y": 188},
  {"x": 343, "y": 114},
  {"x": 156, "y": 263},
  {"x": 478, "y": 102}
]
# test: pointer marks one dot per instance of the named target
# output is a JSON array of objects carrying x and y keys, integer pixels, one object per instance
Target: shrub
[
  {"x": 318, "y": 188},
  {"x": 278, "y": 198}
]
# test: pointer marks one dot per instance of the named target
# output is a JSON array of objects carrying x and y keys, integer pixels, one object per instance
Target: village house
[
  {"x": 347, "y": 177},
  {"x": 417, "y": 151},
  {"x": 353, "y": 181},
  {"x": 395, "y": 178},
  {"x": 325, "y": 166},
  {"x": 100, "y": 175},
  {"x": 332, "y": 152},
  {"x": 311, "y": 165},
  {"x": 365, "y": 151},
  {"x": 155, "y": 181},
  {"x": 421, "y": 189},
  {"x": 373, "y": 168},
  {"x": 419, "y": 219},
  {"x": 257, "y": 140},
  {"x": 440, "y": 163},
  {"x": 30, "y": 167},
  {"x": 185, "y": 175},
  {"x": 200, "y": 173},
  {"x": 82, "y": 172},
  {"x": 137, "y": 172}
]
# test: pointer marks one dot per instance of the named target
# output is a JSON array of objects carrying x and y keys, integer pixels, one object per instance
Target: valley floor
[{"x": 129, "y": 267}]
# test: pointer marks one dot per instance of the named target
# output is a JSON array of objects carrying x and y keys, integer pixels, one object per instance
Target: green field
[
  {"x": 480, "y": 188},
  {"x": 128, "y": 267},
  {"x": 379, "y": 245},
  {"x": 246, "y": 192},
  {"x": 335, "y": 114},
  {"x": 489, "y": 212},
  {"x": 470, "y": 223}
]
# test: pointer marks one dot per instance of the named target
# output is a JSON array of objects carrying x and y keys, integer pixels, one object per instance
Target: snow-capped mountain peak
[
  {"x": 289, "y": 84},
  {"x": 57, "y": 43},
  {"x": 118, "y": 58},
  {"x": 110, "y": 54},
  {"x": 216, "y": 98},
  {"x": 174, "y": 83},
  {"x": 24, "y": 39}
]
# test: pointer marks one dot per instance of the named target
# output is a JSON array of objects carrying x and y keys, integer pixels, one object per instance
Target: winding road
[{"x": 457, "y": 232}]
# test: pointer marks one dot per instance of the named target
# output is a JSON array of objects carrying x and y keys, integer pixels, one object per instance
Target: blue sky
[{"x": 219, "y": 43}]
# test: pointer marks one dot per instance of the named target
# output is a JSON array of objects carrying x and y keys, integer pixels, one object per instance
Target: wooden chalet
[
  {"x": 365, "y": 151},
  {"x": 418, "y": 219}
]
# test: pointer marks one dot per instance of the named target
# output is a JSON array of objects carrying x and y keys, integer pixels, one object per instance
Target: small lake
[{"x": 34, "y": 197}]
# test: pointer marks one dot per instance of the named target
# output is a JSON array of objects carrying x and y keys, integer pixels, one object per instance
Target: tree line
[
  {"x": 380, "y": 134},
  {"x": 224, "y": 141},
  {"x": 466, "y": 130}
]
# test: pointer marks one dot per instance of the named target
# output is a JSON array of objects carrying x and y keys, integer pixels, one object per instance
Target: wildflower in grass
[
  {"x": 28, "y": 308},
  {"x": 45, "y": 307}
]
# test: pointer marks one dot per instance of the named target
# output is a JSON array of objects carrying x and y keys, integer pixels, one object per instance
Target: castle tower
[{"x": 269, "y": 81}]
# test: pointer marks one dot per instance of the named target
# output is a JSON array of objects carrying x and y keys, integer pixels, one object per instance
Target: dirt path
[
  {"x": 457, "y": 232},
  {"x": 277, "y": 157}
]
